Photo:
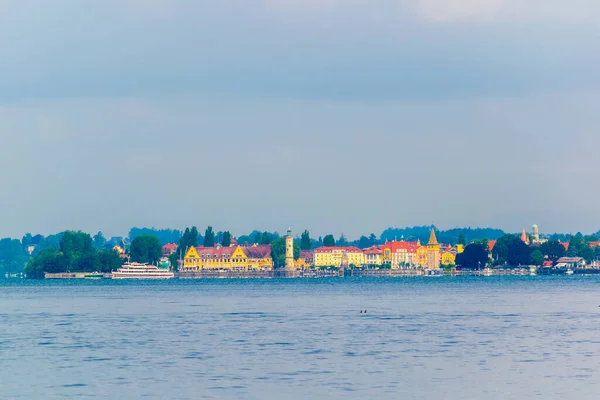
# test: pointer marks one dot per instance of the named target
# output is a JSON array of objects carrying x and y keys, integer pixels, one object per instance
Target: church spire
[{"x": 432, "y": 239}]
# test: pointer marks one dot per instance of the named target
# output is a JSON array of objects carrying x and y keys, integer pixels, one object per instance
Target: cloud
[
  {"x": 556, "y": 11},
  {"x": 445, "y": 10}
]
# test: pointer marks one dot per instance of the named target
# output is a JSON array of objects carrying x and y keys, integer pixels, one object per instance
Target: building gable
[{"x": 191, "y": 253}]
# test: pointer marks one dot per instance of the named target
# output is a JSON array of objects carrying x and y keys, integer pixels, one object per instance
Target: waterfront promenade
[{"x": 227, "y": 274}]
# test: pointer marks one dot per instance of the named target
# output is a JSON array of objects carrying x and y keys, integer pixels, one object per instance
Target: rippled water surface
[{"x": 421, "y": 338}]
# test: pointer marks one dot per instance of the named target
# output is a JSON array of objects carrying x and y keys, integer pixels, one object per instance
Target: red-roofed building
[
  {"x": 169, "y": 249},
  {"x": 236, "y": 258},
  {"x": 373, "y": 255},
  {"x": 402, "y": 255},
  {"x": 338, "y": 256},
  {"x": 306, "y": 259}
]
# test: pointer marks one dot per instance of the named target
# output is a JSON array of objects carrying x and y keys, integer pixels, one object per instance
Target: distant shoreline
[{"x": 324, "y": 274}]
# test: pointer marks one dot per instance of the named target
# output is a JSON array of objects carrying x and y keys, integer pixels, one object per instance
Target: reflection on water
[{"x": 443, "y": 338}]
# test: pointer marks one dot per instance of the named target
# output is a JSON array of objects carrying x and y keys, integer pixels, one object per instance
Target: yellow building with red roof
[
  {"x": 339, "y": 256},
  {"x": 234, "y": 258}
]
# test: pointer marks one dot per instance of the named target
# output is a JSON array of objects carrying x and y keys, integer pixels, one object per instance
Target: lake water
[{"x": 421, "y": 338}]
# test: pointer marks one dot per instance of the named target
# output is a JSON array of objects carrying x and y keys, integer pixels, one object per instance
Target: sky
[{"x": 337, "y": 116}]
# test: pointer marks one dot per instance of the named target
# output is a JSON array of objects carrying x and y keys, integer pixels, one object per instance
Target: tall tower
[
  {"x": 289, "y": 250},
  {"x": 536, "y": 233},
  {"x": 433, "y": 252},
  {"x": 524, "y": 237}
]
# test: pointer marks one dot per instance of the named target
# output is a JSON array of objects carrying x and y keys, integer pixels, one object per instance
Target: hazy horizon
[{"x": 327, "y": 115}]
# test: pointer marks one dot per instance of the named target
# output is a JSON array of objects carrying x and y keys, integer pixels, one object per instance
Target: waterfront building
[
  {"x": 449, "y": 257},
  {"x": 402, "y": 255},
  {"x": 169, "y": 249},
  {"x": 234, "y": 258},
  {"x": 306, "y": 259},
  {"x": 433, "y": 252},
  {"x": 570, "y": 262},
  {"x": 421, "y": 256},
  {"x": 289, "y": 251},
  {"x": 338, "y": 256},
  {"x": 374, "y": 255}
]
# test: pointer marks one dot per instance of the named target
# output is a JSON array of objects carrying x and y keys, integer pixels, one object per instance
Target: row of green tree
[
  {"x": 75, "y": 253},
  {"x": 510, "y": 250}
]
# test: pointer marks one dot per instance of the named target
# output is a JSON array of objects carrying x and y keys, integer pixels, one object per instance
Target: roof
[
  {"x": 306, "y": 254},
  {"x": 594, "y": 244},
  {"x": 394, "y": 247},
  {"x": 347, "y": 249},
  {"x": 373, "y": 250},
  {"x": 262, "y": 251},
  {"x": 170, "y": 246},
  {"x": 491, "y": 244},
  {"x": 565, "y": 245},
  {"x": 569, "y": 260},
  {"x": 432, "y": 239}
]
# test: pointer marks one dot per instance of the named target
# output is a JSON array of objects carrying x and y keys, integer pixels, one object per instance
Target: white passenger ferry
[{"x": 141, "y": 271}]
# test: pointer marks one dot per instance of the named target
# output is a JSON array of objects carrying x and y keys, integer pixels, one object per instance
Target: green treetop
[{"x": 305, "y": 243}]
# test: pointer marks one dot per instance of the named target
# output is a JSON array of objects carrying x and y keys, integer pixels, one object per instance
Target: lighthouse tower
[{"x": 289, "y": 251}]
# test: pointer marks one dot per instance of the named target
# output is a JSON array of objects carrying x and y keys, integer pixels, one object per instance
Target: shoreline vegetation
[{"x": 478, "y": 251}]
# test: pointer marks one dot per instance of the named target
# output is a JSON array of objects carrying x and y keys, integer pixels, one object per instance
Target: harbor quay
[{"x": 369, "y": 273}]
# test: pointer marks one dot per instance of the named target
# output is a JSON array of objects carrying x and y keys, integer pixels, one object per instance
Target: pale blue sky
[{"x": 329, "y": 115}]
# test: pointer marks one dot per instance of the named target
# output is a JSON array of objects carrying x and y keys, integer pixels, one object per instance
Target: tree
[
  {"x": 99, "y": 241},
  {"x": 108, "y": 260},
  {"x": 226, "y": 241},
  {"x": 174, "y": 260},
  {"x": 461, "y": 239},
  {"x": 484, "y": 242},
  {"x": 12, "y": 255},
  {"x": 194, "y": 236},
  {"x": 328, "y": 241},
  {"x": 278, "y": 252},
  {"x": 164, "y": 235},
  {"x": 364, "y": 242},
  {"x": 510, "y": 249},
  {"x": 305, "y": 243},
  {"x": 553, "y": 249},
  {"x": 48, "y": 260},
  {"x": 188, "y": 239},
  {"x": 579, "y": 247},
  {"x": 27, "y": 240},
  {"x": 342, "y": 241},
  {"x": 145, "y": 249},
  {"x": 87, "y": 262},
  {"x": 475, "y": 256},
  {"x": 76, "y": 245},
  {"x": 266, "y": 238},
  {"x": 536, "y": 257},
  {"x": 518, "y": 252},
  {"x": 209, "y": 237},
  {"x": 73, "y": 244},
  {"x": 372, "y": 239}
]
